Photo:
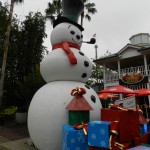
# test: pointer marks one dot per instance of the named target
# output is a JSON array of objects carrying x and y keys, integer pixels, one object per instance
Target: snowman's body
[
  {"x": 47, "y": 113},
  {"x": 56, "y": 67}
]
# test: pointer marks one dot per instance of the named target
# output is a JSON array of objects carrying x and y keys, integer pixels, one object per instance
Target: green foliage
[
  {"x": 89, "y": 8},
  {"x": 97, "y": 75},
  {"x": 27, "y": 88},
  {"x": 3, "y": 27},
  {"x": 10, "y": 111},
  {"x": 26, "y": 50},
  {"x": 54, "y": 10}
]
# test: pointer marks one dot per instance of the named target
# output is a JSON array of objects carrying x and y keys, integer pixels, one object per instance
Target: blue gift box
[
  {"x": 98, "y": 134},
  {"x": 143, "y": 129},
  {"x": 73, "y": 139}
]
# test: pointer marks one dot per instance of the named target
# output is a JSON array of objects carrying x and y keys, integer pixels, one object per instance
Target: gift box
[
  {"x": 128, "y": 123},
  {"x": 73, "y": 139},
  {"x": 142, "y": 139},
  {"x": 97, "y": 148},
  {"x": 122, "y": 146},
  {"x": 98, "y": 134},
  {"x": 76, "y": 117},
  {"x": 143, "y": 129}
]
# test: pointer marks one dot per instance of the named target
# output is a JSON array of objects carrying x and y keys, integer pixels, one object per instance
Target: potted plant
[
  {"x": 21, "y": 115},
  {"x": 7, "y": 115}
]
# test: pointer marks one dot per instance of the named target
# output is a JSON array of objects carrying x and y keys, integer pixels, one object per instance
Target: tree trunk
[
  {"x": 82, "y": 16},
  {"x": 6, "y": 51}
]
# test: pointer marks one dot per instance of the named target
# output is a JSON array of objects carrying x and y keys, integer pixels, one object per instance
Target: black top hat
[{"x": 72, "y": 10}]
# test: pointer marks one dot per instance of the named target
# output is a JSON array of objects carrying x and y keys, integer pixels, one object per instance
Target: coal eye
[
  {"x": 78, "y": 37},
  {"x": 72, "y": 32},
  {"x": 81, "y": 36}
]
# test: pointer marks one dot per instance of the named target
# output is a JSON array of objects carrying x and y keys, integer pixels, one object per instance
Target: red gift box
[
  {"x": 128, "y": 123},
  {"x": 143, "y": 139},
  {"x": 122, "y": 146}
]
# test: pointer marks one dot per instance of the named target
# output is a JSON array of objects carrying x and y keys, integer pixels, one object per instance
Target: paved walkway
[
  {"x": 16, "y": 145},
  {"x": 14, "y": 132},
  {"x": 14, "y": 137}
]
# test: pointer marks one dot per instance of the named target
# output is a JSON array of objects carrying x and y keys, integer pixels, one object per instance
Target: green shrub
[{"x": 11, "y": 111}]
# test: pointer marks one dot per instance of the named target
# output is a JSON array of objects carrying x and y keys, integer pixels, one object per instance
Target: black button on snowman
[{"x": 64, "y": 69}]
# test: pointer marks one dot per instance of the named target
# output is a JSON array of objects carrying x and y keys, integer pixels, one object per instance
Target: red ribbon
[
  {"x": 117, "y": 107},
  {"x": 114, "y": 130},
  {"x": 83, "y": 126},
  {"x": 66, "y": 47},
  {"x": 78, "y": 91}
]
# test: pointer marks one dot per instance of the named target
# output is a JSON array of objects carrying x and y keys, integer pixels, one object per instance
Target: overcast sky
[{"x": 114, "y": 23}]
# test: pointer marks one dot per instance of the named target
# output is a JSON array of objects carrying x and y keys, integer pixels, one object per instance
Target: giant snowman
[{"x": 64, "y": 69}]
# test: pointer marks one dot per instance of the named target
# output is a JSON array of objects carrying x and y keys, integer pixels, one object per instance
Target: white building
[{"x": 130, "y": 66}]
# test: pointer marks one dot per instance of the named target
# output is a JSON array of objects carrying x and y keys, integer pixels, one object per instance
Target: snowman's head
[{"x": 66, "y": 32}]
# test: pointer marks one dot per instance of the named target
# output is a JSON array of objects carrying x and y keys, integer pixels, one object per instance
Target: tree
[
  {"x": 4, "y": 61},
  {"x": 54, "y": 10},
  {"x": 30, "y": 49},
  {"x": 25, "y": 53},
  {"x": 89, "y": 8},
  {"x": 107, "y": 53},
  {"x": 3, "y": 27}
]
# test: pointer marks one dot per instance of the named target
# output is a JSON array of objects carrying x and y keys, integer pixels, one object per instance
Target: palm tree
[
  {"x": 54, "y": 10},
  {"x": 4, "y": 61},
  {"x": 89, "y": 8}
]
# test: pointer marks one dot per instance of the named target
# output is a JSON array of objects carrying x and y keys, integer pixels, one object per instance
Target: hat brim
[{"x": 64, "y": 19}]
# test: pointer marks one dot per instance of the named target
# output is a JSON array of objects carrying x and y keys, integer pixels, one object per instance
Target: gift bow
[
  {"x": 114, "y": 130},
  {"x": 78, "y": 91},
  {"x": 117, "y": 107},
  {"x": 83, "y": 126}
]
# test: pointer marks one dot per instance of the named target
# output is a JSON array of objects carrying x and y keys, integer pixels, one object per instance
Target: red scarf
[{"x": 66, "y": 47}]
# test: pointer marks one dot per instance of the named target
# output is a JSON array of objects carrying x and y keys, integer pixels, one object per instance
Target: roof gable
[
  {"x": 128, "y": 46},
  {"x": 79, "y": 103}
]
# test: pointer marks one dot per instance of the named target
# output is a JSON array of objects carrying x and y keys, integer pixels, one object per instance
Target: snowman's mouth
[{"x": 75, "y": 41}]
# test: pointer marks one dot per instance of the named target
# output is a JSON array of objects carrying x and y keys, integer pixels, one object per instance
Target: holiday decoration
[
  {"x": 73, "y": 139},
  {"x": 78, "y": 107},
  {"x": 83, "y": 126},
  {"x": 128, "y": 123},
  {"x": 142, "y": 139},
  {"x": 64, "y": 68},
  {"x": 97, "y": 148},
  {"x": 143, "y": 129},
  {"x": 98, "y": 134}
]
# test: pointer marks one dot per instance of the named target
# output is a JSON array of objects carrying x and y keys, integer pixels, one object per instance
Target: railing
[{"x": 113, "y": 76}]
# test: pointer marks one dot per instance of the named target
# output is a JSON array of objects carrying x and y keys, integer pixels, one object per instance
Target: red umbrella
[
  {"x": 118, "y": 89},
  {"x": 143, "y": 92},
  {"x": 106, "y": 95},
  {"x": 131, "y": 95}
]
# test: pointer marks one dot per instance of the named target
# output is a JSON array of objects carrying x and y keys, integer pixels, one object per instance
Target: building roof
[
  {"x": 129, "y": 53},
  {"x": 79, "y": 103}
]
